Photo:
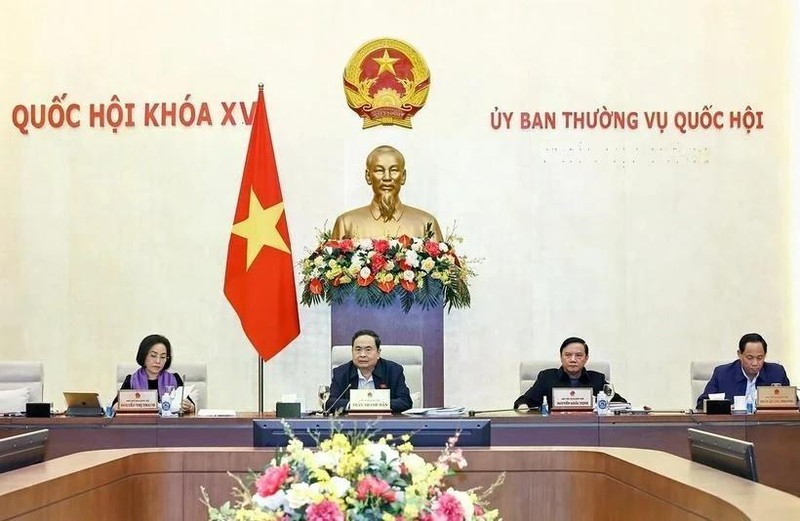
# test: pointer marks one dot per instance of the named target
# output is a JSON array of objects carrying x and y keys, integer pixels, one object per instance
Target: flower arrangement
[
  {"x": 417, "y": 270},
  {"x": 352, "y": 478}
]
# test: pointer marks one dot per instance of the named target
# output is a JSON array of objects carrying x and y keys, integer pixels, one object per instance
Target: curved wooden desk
[{"x": 546, "y": 483}]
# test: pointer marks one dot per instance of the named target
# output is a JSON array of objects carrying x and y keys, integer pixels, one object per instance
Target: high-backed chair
[
  {"x": 192, "y": 374},
  {"x": 18, "y": 375},
  {"x": 529, "y": 370},
  {"x": 410, "y": 357},
  {"x": 700, "y": 373}
]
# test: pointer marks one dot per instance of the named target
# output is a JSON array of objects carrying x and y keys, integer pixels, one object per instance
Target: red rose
[
  {"x": 346, "y": 245},
  {"x": 432, "y": 248},
  {"x": 374, "y": 486},
  {"x": 377, "y": 262},
  {"x": 315, "y": 287},
  {"x": 408, "y": 285},
  {"x": 405, "y": 240},
  {"x": 380, "y": 245},
  {"x": 271, "y": 480},
  {"x": 387, "y": 286}
]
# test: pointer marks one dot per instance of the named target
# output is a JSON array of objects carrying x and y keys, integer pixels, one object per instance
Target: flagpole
[{"x": 260, "y": 386}]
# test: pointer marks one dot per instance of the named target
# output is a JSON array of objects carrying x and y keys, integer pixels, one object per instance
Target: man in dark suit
[
  {"x": 742, "y": 376},
  {"x": 368, "y": 370},
  {"x": 574, "y": 355}
]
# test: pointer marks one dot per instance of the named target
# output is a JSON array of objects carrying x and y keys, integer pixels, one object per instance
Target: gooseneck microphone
[
  {"x": 327, "y": 410},
  {"x": 472, "y": 413}
]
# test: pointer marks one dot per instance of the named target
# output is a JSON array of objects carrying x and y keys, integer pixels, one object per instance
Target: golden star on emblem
[
  {"x": 260, "y": 228},
  {"x": 386, "y": 63}
]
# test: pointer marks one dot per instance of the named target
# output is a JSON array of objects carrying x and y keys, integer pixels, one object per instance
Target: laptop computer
[{"x": 83, "y": 404}]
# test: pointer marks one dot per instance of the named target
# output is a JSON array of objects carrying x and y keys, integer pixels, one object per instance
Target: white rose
[
  {"x": 394, "y": 243},
  {"x": 428, "y": 264},
  {"x": 302, "y": 494},
  {"x": 338, "y": 486},
  {"x": 364, "y": 273},
  {"x": 273, "y": 502},
  {"x": 326, "y": 459},
  {"x": 416, "y": 245},
  {"x": 379, "y": 452},
  {"x": 408, "y": 275},
  {"x": 365, "y": 244},
  {"x": 412, "y": 259},
  {"x": 443, "y": 247},
  {"x": 416, "y": 466}
]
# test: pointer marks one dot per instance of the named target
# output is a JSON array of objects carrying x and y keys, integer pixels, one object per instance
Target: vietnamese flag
[{"x": 259, "y": 276}]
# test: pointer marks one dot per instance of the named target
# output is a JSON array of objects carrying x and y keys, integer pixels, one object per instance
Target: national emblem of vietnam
[{"x": 386, "y": 82}]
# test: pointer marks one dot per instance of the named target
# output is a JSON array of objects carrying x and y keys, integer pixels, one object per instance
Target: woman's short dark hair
[
  {"x": 367, "y": 332},
  {"x": 574, "y": 340},
  {"x": 752, "y": 337},
  {"x": 147, "y": 343}
]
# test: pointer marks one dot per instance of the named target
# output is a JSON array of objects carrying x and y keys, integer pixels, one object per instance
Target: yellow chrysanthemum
[
  {"x": 340, "y": 442},
  {"x": 321, "y": 475}
]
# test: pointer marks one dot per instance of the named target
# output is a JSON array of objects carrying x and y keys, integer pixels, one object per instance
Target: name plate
[
  {"x": 776, "y": 397},
  {"x": 572, "y": 399},
  {"x": 370, "y": 400},
  {"x": 137, "y": 400}
]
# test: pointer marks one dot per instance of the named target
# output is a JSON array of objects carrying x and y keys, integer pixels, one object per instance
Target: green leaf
[{"x": 429, "y": 294}]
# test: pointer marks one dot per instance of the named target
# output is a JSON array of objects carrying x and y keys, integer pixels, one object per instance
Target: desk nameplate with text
[
  {"x": 572, "y": 399},
  {"x": 137, "y": 400},
  {"x": 776, "y": 397},
  {"x": 370, "y": 400}
]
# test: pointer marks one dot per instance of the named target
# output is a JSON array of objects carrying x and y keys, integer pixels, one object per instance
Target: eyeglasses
[{"x": 155, "y": 357}]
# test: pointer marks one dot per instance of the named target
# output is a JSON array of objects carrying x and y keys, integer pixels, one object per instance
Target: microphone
[
  {"x": 327, "y": 410},
  {"x": 472, "y": 413},
  {"x": 183, "y": 390}
]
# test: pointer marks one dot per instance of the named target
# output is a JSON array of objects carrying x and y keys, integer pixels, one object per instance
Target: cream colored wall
[{"x": 655, "y": 262}]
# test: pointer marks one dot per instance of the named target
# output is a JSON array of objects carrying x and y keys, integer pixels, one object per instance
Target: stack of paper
[
  {"x": 619, "y": 406},
  {"x": 437, "y": 411}
]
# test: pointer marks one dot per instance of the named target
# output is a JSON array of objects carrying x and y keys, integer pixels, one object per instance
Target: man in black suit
[
  {"x": 574, "y": 355},
  {"x": 368, "y": 370}
]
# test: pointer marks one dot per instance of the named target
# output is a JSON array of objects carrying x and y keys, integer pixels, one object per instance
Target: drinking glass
[{"x": 323, "y": 393}]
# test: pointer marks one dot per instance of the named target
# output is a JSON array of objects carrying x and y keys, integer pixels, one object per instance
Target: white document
[
  {"x": 716, "y": 396},
  {"x": 179, "y": 394},
  {"x": 216, "y": 413}
]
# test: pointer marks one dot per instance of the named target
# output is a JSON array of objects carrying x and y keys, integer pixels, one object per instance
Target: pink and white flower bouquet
[{"x": 357, "y": 479}]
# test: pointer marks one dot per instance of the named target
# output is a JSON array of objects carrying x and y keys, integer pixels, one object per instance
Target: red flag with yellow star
[{"x": 259, "y": 276}]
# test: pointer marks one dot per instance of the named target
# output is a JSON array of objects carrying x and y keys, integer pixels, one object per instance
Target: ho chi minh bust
[{"x": 386, "y": 215}]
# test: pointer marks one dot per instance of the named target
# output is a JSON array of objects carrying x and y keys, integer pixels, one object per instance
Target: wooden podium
[{"x": 424, "y": 327}]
